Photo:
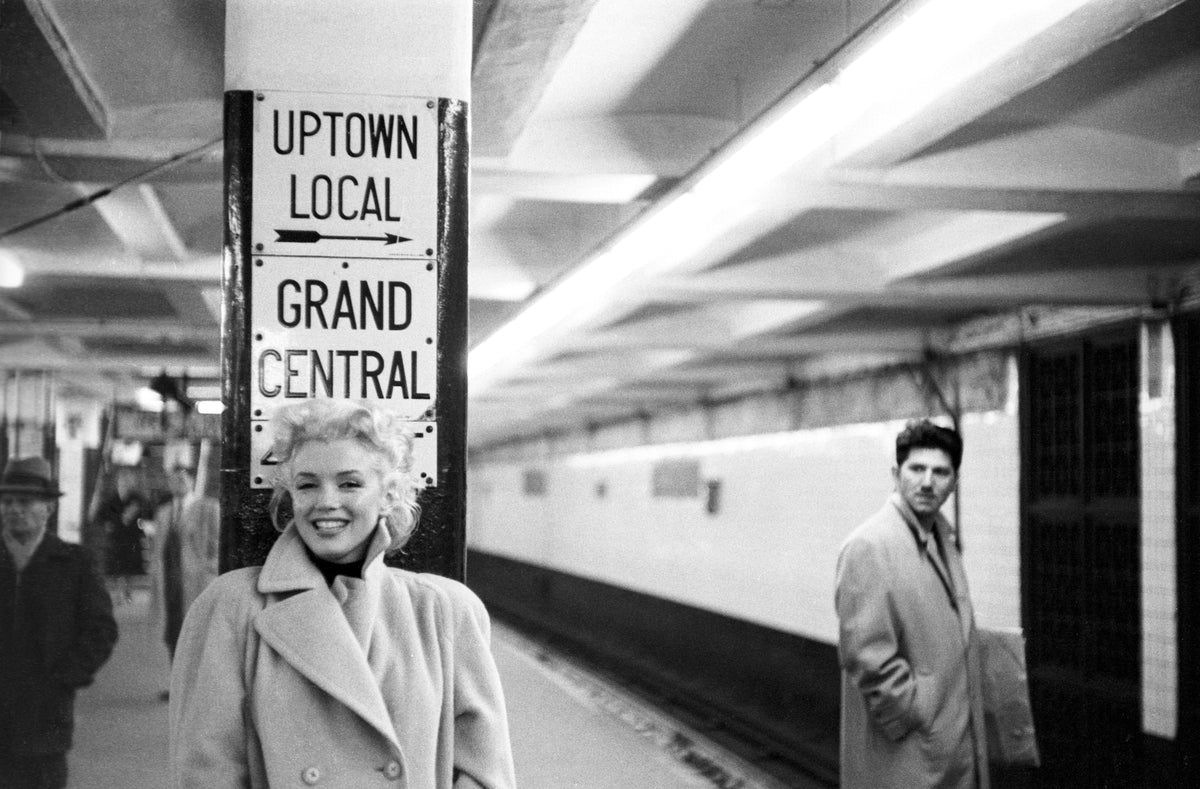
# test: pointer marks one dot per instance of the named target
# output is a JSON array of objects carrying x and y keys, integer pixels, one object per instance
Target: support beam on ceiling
[
  {"x": 137, "y": 217},
  {"x": 1062, "y": 156},
  {"x": 761, "y": 346},
  {"x": 892, "y": 132},
  {"x": 885, "y": 193},
  {"x": 619, "y": 188},
  {"x": 774, "y": 280},
  {"x": 59, "y": 161},
  {"x": 711, "y": 325},
  {"x": 146, "y": 330},
  {"x": 10, "y": 310},
  {"x": 663, "y": 144},
  {"x": 44, "y": 78},
  {"x": 521, "y": 49},
  {"x": 205, "y": 269},
  {"x": 968, "y": 235}
]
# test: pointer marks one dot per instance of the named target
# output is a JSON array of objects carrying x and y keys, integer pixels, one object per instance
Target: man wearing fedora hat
[{"x": 56, "y": 629}]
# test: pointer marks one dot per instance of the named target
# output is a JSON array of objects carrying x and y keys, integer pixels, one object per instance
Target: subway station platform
[{"x": 570, "y": 728}]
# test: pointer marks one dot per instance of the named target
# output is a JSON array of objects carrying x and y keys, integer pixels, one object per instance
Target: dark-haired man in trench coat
[{"x": 912, "y": 714}]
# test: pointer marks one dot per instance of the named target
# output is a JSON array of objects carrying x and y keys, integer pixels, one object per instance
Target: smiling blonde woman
[{"x": 325, "y": 667}]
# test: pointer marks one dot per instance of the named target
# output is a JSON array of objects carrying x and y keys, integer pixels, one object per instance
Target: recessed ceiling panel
[
  {"x": 81, "y": 299},
  {"x": 814, "y": 228},
  {"x": 1111, "y": 244}
]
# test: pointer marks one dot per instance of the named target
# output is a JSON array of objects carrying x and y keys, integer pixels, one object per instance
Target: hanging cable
[
  {"x": 39, "y": 154},
  {"x": 101, "y": 193}
]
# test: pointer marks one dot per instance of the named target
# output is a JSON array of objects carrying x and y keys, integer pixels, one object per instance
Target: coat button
[
  {"x": 391, "y": 770},
  {"x": 311, "y": 776}
]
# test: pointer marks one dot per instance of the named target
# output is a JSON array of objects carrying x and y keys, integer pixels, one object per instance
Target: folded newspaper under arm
[{"x": 1008, "y": 715}]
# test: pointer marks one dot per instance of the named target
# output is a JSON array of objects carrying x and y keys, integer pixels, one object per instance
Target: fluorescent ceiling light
[
  {"x": 12, "y": 273},
  {"x": 210, "y": 407},
  {"x": 924, "y": 54},
  {"x": 929, "y": 52},
  {"x": 799, "y": 131}
]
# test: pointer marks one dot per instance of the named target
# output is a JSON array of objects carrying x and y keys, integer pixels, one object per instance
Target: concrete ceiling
[{"x": 1061, "y": 173}]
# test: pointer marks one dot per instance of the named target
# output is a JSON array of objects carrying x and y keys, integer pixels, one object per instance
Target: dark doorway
[{"x": 1081, "y": 557}]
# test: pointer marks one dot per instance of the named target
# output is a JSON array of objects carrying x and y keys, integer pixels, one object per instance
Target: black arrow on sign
[{"x": 313, "y": 236}]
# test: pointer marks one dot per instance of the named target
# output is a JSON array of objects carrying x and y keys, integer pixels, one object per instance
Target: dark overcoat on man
[{"x": 56, "y": 631}]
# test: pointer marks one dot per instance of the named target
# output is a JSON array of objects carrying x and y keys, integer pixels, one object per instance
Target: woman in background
[
  {"x": 324, "y": 666},
  {"x": 120, "y": 517}
]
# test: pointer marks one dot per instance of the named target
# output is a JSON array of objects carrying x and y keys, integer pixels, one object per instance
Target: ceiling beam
[
  {"x": 662, "y": 144},
  {"x": 521, "y": 48},
  {"x": 193, "y": 305},
  {"x": 884, "y": 136},
  {"x": 776, "y": 279},
  {"x": 1062, "y": 156},
  {"x": 617, "y": 188},
  {"x": 137, "y": 217},
  {"x": 887, "y": 193},
  {"x": 45, "y": 167},
  {"x": 50, "y": 353},
  {"x": 11, "y": 310},
  {"x": 206, "y": 270},
  {"x": 43, "y": 76},
  {"x": 636, "y": 339},
  {"x": 703, "y": 371},
  {"x": 839, "y": 341},
  {"x": 93, "y": 329},
  {"x": 196, "y": 365},
  {"x": 887, "y": 132},
  {"x": 969, "y": 235},
  {"x": 710, "y": 325}
]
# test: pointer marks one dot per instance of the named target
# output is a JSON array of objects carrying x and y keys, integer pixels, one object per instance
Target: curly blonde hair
[{"x": 379, "y": 431}]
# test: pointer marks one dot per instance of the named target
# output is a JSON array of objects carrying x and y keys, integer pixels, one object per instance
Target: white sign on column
[
  {"x": 344, "y": 176},
  {"x": 344, "y": 277}
]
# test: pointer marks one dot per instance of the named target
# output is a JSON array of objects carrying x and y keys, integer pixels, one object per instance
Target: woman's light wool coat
[{"x": 281, "y": 680}]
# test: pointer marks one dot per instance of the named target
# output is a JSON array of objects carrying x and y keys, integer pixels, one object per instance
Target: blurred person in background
[
  {"x": 325, "y": 665},
  {"x": 200, "y": 536},
  {"x": 186, "y": 530},
  {"x": 56, "y": 630},
  {"x": 119, "y": 515},
  {"x": 912, "y": 710}
]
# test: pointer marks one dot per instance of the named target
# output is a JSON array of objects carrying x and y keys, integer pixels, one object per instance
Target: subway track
[{"x": 783, "y": 761}]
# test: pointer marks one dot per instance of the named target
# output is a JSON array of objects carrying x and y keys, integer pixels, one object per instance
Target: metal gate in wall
[{"x": 1081, "y": 557}]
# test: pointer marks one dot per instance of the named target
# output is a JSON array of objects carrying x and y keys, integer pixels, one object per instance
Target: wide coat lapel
[
  {"x": 959, "y": 577},
  {"x": 930, "y": 552},
  {"x": 310, "y": 632}
]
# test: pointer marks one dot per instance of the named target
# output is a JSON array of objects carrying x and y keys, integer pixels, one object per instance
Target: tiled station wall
[
  {"x": 795, "y": 472},
  {"x": 785, "y": 502}
]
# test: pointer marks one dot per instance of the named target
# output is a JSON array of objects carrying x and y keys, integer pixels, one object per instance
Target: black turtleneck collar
[{"x": 332, "y": 570}]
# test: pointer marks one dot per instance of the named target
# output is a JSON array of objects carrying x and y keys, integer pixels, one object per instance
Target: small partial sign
[{"x": 264, "y": 465}]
